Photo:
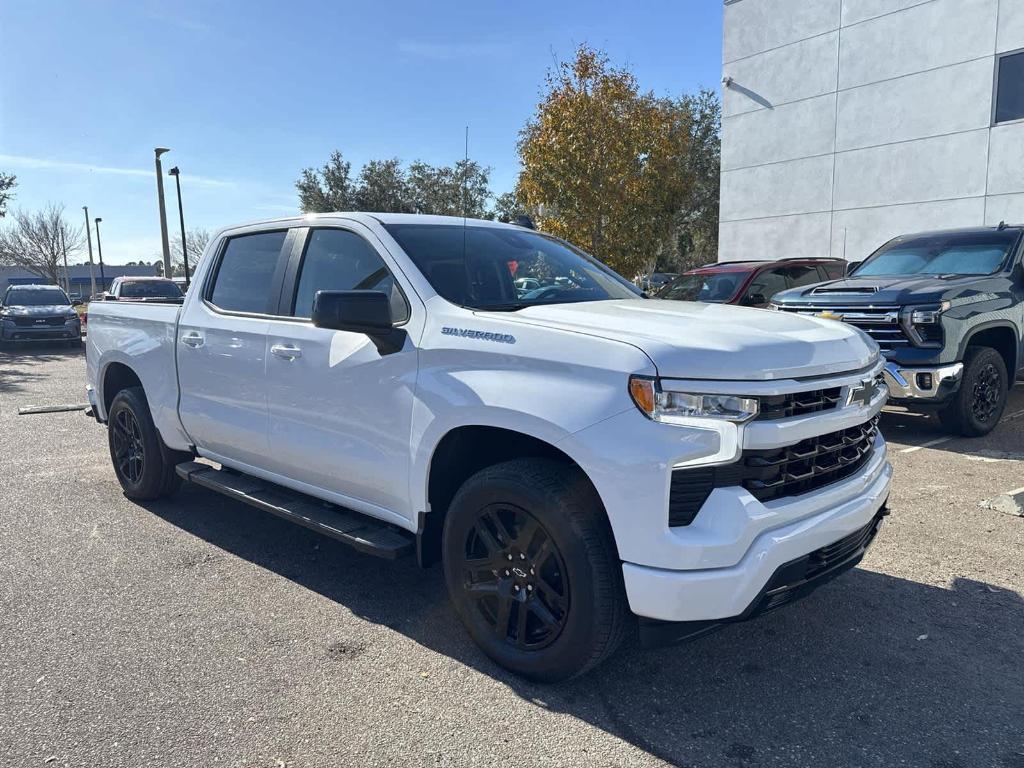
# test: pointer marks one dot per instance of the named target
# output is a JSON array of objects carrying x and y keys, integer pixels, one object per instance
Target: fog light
[{"x": 924, "y": 381}]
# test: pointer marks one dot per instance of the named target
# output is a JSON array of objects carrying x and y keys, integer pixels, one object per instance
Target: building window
[{"x": 1009, "y": 87}]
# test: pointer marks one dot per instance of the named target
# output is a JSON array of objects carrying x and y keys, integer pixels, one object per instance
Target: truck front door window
[{"x": 339, "y": 260}]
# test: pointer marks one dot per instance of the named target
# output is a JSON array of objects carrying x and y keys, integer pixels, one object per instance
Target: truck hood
[
  {"x": 50, "y": 310},
  {"x": 890, "y": 290},
  {"x": 689, "y": 340}
]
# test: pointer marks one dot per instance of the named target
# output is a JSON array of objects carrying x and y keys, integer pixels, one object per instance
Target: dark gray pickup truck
[{"x": 947, "y": 310}]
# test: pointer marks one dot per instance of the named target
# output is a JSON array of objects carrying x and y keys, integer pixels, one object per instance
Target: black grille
[
  {"x": 776, "y": 473},
  {"x": 798, "y": 403},
  {"x": 28, "y": 322}
]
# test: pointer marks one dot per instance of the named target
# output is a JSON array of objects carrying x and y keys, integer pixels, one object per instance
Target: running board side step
[{"x": 362, "y": 532}]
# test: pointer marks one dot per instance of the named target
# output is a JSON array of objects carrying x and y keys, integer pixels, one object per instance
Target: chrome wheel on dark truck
[
  {"x": 978, "y": 405},
  {"x": 144, "y": 467},
  {"x": 532, "y": 569}
]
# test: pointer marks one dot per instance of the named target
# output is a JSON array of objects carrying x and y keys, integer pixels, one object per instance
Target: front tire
[
  {"x": 979, "y": 403},
  {"x": 136, "y": 450},
  {"x": 532, "y": 569}
]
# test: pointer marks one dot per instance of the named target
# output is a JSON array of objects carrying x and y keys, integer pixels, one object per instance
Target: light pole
[
  {"x": 99, "y": 247},
  {"x": 88, "y": 237},
  {"x": 163, "y": 211},
  {"x": 176, "y": 173}
]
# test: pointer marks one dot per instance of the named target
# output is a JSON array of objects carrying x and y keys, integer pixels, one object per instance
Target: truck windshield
[
  {"x": 944, "y": 254},
  {"x": 710, "y": 287},
  {"x": 504, "y": 269},
  {"x": 35, "y": 298},
  {"x": 150, "y": 289}
]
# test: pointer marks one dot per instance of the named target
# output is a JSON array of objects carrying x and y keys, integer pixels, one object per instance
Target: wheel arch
[
  {"x": 116, "y": 377},
  {"x": 462, "y": 452},
  {"x": 1001, "y": 336}
]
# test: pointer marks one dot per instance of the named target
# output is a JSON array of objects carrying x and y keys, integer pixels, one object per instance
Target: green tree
[
  {"x": 382, "y": 186},
  {"x": 385, "y": 186},
  {"x": 603, "y": 163},
  {"x": 7, "y": 184},
  {"x": 327, "y": 189},
  {"x": 697, "y": 219},
  {"x": 507, "y": 207}
]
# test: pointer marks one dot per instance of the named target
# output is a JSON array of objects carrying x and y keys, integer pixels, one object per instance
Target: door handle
[
  {"x": 285, "y": 352},
  {"x": 192, "y": 339}
]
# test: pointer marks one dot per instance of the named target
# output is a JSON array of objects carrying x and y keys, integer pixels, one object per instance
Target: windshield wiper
[{"x": 512, "y": 306}]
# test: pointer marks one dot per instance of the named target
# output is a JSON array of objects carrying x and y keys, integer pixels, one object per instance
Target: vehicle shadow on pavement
[
  {"x": 869, "y": 670},
  {"x": 21, "y": 366}
]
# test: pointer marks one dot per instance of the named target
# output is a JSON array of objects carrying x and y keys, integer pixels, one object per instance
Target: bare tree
[
  {"x": 35, "y": 241},
  {"x": 196, "y": 240}
]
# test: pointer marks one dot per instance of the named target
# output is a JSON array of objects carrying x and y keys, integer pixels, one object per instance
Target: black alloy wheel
[
  {"x": 143, "y": 464},
  {"x": 129, "y": 451},
  {"x": 987, "y": 395},
  {"x": 532, "y": 569},
  {"x": 515, "y": 576}
]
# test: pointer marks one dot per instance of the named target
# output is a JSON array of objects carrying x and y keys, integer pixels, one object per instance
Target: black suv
[
  {"x": 947, "y": 310},
  {"x": 38, "y": 313}
]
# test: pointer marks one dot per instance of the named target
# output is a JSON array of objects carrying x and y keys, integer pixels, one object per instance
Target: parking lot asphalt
[{"x": 199, "y": 632}]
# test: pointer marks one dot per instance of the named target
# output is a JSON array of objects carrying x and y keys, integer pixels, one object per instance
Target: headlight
[
  {"x": 680, "y": 407},
  {"x": 925, "y": 314},
  {"x": 773, "y": 306}
]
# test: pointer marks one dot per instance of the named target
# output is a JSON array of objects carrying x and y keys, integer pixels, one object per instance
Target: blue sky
[{"x": 247, "y": 94}]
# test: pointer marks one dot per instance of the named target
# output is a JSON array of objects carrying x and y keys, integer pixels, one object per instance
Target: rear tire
[
  {"x": 532, "y": 569},
  {"x": 979, "y": 403},
  {"x": 143, "y": 464}
]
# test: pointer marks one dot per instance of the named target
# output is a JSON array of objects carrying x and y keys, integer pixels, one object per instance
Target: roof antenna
[{"x": 1002, "y": 225}]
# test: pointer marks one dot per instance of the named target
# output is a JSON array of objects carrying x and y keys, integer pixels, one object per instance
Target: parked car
[
  {"x": 946, "y": 309},
  {"x": 32, "y": 313},
  {"x": 133, "y": 288},
  {"x": 574, "y": 462},
  {"x": 750, "y": 283}
]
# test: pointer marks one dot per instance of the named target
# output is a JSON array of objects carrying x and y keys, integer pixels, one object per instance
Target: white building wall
[{"x": 848, "y": 122}]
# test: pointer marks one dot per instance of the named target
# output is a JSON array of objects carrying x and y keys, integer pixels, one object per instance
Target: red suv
[{"x": 750, "y": 283}]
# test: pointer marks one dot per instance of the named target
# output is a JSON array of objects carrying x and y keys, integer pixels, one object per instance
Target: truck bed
[{"x": 142, "y": 336}]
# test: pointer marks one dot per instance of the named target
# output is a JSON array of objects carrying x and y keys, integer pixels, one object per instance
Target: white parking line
[
  {"x": 1016, "y": 415},
  {"x": 929, "y": 444}
]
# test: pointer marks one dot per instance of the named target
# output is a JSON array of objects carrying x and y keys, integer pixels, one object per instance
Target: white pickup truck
[{"x": 577, "y": 456}]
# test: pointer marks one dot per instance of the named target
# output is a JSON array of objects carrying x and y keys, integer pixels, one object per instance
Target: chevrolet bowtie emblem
[
  {"x": 862, "y": 394},
  {"x": 829, "y": 315}
]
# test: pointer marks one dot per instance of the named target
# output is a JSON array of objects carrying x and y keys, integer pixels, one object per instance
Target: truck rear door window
[
  {"x": 245, "y": 276},
  {"x": 340, "y": 260}
]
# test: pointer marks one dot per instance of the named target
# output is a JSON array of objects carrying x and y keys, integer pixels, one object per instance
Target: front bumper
[
  {"x": 922, "y": 383},
  {"x": 791, "y": 581},
  {"x": 727, "y": 593},
  {"x": 28, "y": 334}
]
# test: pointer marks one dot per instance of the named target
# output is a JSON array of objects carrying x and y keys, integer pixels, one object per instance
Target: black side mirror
[
  {"x": 366, "y": 312},
  {"x": 754, "y": 300}
]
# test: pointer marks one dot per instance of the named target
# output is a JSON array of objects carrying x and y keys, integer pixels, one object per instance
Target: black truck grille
[
  {"x": 775, "y": 473},
  {"x": 29, "y": 322},
  {"x": 880, "y": 323},
  {"x": 798, "y": 403}
]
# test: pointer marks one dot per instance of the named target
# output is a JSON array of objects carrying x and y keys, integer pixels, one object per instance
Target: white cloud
[{"x": 40, "y": 163}]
